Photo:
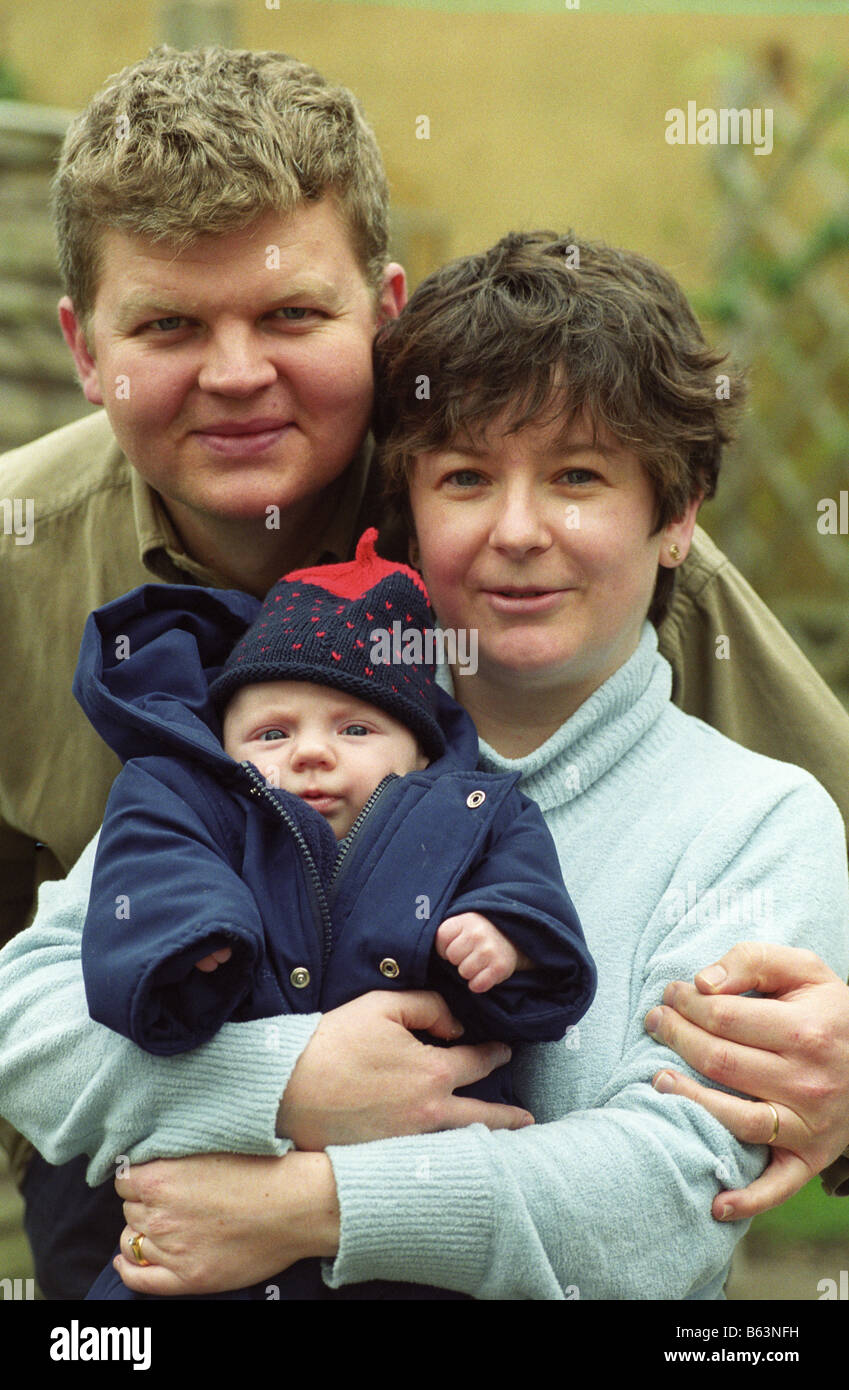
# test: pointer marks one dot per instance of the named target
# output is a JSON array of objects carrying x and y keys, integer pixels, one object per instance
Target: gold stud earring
[{"x": 674, "y": 552}]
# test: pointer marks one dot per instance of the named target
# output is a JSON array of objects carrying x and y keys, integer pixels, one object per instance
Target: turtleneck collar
[{"x": 597, "y": 735}]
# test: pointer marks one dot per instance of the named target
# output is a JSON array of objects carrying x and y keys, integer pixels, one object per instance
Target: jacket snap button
[
  {"x": 300, "y": 977},
  {"x": 390, "y": 968},
  {"x": 475, "y": 799}
]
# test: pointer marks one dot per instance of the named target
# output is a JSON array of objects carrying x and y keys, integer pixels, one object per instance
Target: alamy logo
[
  {"x": 411, "y": 646},
  {"x": 77, "y": 1343},
  {"x": 18, "y": 518},
  {"x": 726, "y": 126},
  {"x": 17, "y": 1288}
]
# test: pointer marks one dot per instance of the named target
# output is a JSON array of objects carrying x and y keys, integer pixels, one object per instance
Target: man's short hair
[
  {"x": 186, "y": 144},
  {"x": 543, "y": 327}
]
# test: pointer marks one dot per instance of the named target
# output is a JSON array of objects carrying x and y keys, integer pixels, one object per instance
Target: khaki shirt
[{"x": 99, "y": 530}]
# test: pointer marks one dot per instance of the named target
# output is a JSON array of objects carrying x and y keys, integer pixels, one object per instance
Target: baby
[
  {"x": 341, "y": 840},
  {"x": 333, "y": 751}
]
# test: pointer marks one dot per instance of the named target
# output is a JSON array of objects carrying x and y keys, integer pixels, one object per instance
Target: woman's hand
[
  {"x": 791, "y": 1049},
  {"x": 224, "y": 1221},
  {"x": 363, "y": 1075}
]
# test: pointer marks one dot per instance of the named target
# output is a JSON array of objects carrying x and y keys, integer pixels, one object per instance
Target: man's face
[{"x": 236, "y": 373}]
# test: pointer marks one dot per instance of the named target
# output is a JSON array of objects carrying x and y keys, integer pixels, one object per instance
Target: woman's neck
[{"x": 512, "y": 718}]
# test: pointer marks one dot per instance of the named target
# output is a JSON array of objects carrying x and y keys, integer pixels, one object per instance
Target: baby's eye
[
  {"x": 268, "y": 735},
  {"x": 357, "y": 730}
]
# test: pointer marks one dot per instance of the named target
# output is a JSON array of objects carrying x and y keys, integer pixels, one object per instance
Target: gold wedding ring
[
  {"x": 772, "y": 1138},
  {"x": 136, "y": 1243}
]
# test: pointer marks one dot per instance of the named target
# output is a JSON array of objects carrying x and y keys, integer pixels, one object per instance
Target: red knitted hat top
[{"x": 354, "y": 578}]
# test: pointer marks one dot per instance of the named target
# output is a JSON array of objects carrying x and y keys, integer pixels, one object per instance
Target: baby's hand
[
  {"x": 212, "y": 962},
  {"x": 482, "y": 954}
]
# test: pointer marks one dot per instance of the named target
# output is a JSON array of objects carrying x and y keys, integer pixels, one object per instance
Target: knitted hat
[{"x": 361, "y": 627}]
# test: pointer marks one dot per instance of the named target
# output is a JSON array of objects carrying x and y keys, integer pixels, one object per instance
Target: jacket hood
[{"x": 147, "y": 661}]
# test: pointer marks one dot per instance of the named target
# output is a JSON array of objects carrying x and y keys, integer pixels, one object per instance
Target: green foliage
[
  {"x": 808, "y": 1217},
  {"x": 11, "y": 86}
]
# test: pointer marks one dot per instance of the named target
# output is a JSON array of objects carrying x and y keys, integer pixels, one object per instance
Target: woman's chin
[{"x": 534, "y": 660}]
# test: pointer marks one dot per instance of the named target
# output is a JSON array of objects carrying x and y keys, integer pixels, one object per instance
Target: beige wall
[{"x": 551, "y": 120}]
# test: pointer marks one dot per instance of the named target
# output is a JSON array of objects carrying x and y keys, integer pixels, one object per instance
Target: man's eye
[
  {"x": 357, "y": 730},
  {"x": 169, "y": 323},
  {"x": 268, "y": 735},
  {"x": 293, "y": 313}
]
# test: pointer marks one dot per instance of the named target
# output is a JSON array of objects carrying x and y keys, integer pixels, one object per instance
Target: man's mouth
[{"x": 241, "y": 437}]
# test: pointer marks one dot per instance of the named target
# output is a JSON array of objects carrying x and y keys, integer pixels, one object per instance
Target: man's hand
[
  {"x": 364, "y": 1076},
  {"x": 791, "y": 1049},
  {"x": 482, "y": 954}
]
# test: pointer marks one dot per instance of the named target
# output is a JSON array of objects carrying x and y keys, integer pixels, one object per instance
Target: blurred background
[{"x": 498, "y": 116}]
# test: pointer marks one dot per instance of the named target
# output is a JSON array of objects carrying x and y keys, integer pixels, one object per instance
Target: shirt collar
[{"x": 161, "y": 551}]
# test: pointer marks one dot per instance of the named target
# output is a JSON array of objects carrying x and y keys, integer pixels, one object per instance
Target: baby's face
[{"x": 323, "y": 745}]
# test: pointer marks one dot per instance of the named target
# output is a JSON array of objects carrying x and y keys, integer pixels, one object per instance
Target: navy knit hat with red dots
[{"x": 324, "y": 625}]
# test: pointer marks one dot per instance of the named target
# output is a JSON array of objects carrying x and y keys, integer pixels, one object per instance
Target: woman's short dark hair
[{"x": 544, "y": 326}]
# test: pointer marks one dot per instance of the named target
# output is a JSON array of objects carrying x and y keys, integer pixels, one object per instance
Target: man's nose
[{"x": 237, "y": 362}]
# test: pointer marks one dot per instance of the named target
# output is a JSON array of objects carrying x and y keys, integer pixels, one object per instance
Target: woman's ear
[{"x": 677, "y": 536}]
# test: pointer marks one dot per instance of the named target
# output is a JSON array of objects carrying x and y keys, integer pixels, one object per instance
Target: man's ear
[
  {"x": 393, "y": 293},
  {"x": 74, "y": 336}
]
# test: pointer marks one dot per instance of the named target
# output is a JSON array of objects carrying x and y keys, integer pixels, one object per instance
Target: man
[
  {"x": 235, "y": 376},
  {"x": 222, "y": 230}
]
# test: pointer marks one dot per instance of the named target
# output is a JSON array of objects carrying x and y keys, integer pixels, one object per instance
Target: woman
[{"x": 557, "y": 457}]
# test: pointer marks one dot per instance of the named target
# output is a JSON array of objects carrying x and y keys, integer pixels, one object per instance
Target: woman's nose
[{"x": 519, "y": 525}]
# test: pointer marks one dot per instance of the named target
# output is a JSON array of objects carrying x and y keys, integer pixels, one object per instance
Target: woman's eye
[
  {"x": 268, "y": 735},
  {"x": 357, "y": 730},
  {"x": 579, "y": 475},
  {"x": 465, "y": 477}
]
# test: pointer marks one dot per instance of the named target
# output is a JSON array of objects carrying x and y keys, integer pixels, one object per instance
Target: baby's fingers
[{"x": 212, "y": 962}]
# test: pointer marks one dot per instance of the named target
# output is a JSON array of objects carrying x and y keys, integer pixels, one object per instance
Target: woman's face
[{"x": 544, "y": 545}]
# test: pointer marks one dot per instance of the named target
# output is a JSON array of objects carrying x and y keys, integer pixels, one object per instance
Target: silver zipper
[{"x": 259, "y": 789}]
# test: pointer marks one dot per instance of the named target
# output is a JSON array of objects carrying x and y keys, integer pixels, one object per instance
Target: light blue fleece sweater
[{"x": 675, "y": 843}]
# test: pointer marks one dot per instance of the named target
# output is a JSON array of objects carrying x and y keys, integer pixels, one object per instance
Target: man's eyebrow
[
  {"x": 159, "y": 304},
  {"x": 147, "y": 305},
  {"x": 307, "y": 286}
]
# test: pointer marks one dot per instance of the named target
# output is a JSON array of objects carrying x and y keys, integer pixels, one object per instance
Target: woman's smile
[{"x": 523, "y": 601}]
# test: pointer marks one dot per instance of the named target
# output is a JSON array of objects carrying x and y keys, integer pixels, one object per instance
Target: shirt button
[
  {"x": 390, "y": 968},
  {"x": 300, "y": 977},
  {"x": 475, "y": 799}
]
